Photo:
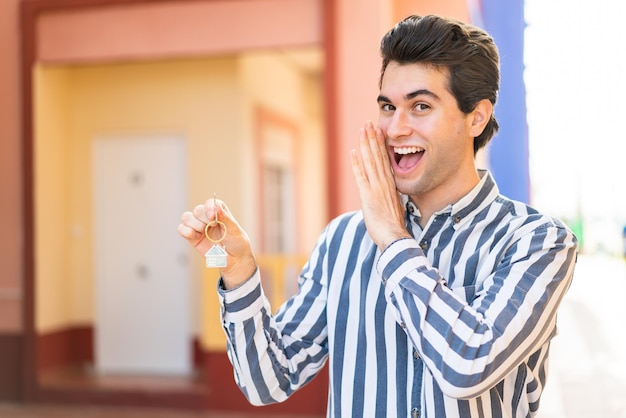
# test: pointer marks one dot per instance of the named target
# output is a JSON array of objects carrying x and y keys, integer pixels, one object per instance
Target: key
[{"x": 217, "y": 256}]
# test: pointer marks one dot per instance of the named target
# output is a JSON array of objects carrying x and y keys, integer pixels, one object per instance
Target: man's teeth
[{"x": 407, "y": 150}]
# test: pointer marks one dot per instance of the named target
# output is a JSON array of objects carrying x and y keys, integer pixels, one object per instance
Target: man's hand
[
  {"x": 380, "y": 201},
  {"x": 241, "y": 263}
]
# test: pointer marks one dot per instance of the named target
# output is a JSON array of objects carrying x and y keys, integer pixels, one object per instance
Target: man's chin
[{"x": 404, "y": 185}]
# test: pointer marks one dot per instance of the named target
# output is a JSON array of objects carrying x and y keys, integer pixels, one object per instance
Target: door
[{"x": 142, "y": 284}]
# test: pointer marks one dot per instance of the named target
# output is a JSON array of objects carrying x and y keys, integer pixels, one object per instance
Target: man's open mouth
[{"x": 407, "y": 157}]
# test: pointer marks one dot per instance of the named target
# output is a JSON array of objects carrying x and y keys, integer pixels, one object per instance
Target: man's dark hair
[{"x": 467, "y": 52}]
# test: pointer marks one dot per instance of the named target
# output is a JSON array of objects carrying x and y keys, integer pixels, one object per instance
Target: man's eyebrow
[
  {"x": 409, "y": 96},
  {"x": 421, "y": 92}
]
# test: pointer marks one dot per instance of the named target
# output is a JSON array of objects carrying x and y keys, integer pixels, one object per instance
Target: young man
[{"x": 438, "y": 298}]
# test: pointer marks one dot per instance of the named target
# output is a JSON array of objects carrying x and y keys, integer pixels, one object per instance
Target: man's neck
[{"x": 436, "y": 200}]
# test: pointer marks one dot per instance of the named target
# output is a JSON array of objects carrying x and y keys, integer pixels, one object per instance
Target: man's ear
[{"x": 480, "y": 116}]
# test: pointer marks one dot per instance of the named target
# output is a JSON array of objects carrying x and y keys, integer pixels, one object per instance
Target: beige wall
[{"x": 52, "y": 158}]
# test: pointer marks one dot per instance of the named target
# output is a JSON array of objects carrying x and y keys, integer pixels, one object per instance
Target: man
[{"x": 439, "y": 297}]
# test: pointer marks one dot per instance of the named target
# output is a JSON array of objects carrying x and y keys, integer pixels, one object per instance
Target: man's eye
[
  {"x": 421, "y": 107},
  {"x": 386, "y": 107}
]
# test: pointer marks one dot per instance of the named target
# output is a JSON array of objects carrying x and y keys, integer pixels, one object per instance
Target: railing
[{"x": 279, "y": 275}]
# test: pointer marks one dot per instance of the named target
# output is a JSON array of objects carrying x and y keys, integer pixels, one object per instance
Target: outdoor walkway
[
  {"x": 588, "y": 357},
  {"x": 588, "y": 362}
]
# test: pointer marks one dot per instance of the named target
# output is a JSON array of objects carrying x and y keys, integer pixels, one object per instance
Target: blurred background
[
  {"x": 118, "y": 115},
  {"x": 574, "y": 83}
]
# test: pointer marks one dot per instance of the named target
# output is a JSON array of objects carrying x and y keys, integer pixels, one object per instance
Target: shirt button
[
  {"x": 424, "y": 245},
  {"x": 416, "y": 355},
  {"x": 457, "y": 219},
  {"x": 402, "y": 325},
  {"x": 415, "y": 413}
]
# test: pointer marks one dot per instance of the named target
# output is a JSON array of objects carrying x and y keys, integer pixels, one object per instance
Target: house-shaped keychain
[{"x": 216, "y": 257}]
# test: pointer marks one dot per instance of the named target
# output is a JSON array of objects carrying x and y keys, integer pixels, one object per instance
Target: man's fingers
[
  {"x": 373, "y": 152},
  {"x": 368, "y": 156},
  {"x": 215, "y": 209},
  {"x": 199, "y": 212},
  {"x": 189, "y": 233},
  {"x": 377, "y": 150},
  {"x": 190, "y": 220},
  {"x": 357, "y": 167},
  {"x": 226, "y": 220}
]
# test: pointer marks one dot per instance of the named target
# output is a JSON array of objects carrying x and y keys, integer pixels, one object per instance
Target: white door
[{"x": 142, "y": 283}]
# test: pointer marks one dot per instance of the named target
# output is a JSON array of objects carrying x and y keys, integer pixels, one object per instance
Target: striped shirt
[{"x": 454, "y": 322}]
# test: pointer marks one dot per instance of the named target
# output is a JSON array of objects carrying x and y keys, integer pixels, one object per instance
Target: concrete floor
[
  {"x": 55, "y": 411},
  {"x": 588, "y": 359}
]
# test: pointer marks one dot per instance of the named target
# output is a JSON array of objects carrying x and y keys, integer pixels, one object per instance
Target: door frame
[{"x": 30, "y": 10}]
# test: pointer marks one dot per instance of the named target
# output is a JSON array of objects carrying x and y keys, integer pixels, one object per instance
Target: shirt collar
[{"x": 477, "y": 199}]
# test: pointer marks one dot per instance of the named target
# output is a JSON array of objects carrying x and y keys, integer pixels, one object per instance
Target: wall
[
  {"x": 52, "y": 196},
  {"x": 11, "y": 243},
  {"x": 457, "y": 9},
  {"x": 354, "y": 58},
  {"x": 126, "y": 29}
]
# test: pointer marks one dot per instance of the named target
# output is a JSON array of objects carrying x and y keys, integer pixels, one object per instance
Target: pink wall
[
  {"x": 452, "y": 8},
  {"x": 10, "y": 170},
  {"x": 355, "y": 60},
  {"x": 183, "y": 28}
]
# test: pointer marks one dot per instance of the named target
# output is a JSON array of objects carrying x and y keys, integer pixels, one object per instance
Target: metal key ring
[{"x": 219, "y": 224}]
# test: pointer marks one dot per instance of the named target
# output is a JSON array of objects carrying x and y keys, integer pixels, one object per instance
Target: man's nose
[{"x": 399, "y": 125}]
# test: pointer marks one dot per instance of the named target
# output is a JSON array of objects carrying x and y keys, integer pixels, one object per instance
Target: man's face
[{"x": 428, "y": 137}]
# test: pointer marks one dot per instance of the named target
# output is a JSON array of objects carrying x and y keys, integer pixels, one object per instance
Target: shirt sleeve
[
  {"x": 469, "y": 344},
  {"x": 274, "y": 355}
]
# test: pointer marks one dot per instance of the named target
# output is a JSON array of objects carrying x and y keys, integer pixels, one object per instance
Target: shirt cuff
[
  {"x": 243, "y": 301},
  {"x": 402, "y": 258}
]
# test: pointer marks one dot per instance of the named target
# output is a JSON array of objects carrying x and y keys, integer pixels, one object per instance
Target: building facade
[{"x": 119, "y": 114}]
